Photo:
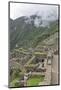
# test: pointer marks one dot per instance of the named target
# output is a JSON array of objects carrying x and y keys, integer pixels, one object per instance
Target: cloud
[{"x": 22, "y": 9}]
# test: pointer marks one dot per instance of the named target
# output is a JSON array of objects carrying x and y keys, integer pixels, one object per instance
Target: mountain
[{"x": 29, "y": 32}]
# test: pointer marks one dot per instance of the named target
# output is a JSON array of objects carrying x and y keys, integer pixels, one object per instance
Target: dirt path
[
  {"x": 47, "y": 79},
  {"x": 55, "y": 69}
]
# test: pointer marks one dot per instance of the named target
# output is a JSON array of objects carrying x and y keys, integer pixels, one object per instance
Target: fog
[{"x": 21, "y": 9}]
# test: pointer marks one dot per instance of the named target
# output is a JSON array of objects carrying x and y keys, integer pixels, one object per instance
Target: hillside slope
[{"x": 25, "y": 33}]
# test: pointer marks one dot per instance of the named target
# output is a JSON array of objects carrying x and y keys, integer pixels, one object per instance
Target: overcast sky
[{"x": 20, "y": 9}]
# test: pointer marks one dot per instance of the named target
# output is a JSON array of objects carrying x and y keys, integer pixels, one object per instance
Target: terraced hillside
[{"x": 29, "y": 48}]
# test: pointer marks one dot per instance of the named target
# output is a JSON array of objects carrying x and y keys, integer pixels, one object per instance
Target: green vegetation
[
  {"x": 29, "y": 44},
  {"x": 40, "y": 53},
  {"x": 31, "y": 65},
  {"x": 14, "y": 83},
  {"x": 34, "y": 80},
  {"x": 16, "y": 77},
  {"x": 28, "y": 35}
]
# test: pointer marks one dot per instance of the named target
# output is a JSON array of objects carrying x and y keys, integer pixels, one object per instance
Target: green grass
[
  {"x": 34, "y": 80},
  {"x": 40, "y": 53},
  {"x": 14, "y": 82}
]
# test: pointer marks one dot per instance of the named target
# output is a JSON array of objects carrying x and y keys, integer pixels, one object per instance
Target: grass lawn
[{"x": 34, "y": 80}]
